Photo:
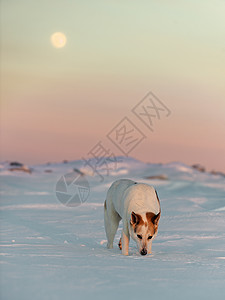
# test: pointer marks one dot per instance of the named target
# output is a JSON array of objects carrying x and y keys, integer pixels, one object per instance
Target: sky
[{"x": 58, "y": 103}]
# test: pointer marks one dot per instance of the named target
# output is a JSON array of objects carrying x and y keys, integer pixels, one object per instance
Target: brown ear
[
  {"x": 134, "y": 218},
  {"x": 155, "y": 219}
]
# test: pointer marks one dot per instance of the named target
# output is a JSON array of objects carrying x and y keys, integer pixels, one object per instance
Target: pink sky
[{"x": 57, "y": 104}]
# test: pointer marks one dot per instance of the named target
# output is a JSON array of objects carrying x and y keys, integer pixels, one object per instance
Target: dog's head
[{"x": 143, "y": 229}]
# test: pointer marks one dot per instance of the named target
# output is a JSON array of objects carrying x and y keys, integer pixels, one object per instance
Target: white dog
[{"x": 137, "y": 204}]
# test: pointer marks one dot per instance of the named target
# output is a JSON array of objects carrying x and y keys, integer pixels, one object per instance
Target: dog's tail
[
  {"x": 106, "y": 222},
  {"x": 105, "y": 205},
  {"x": 105, "y": 210}
]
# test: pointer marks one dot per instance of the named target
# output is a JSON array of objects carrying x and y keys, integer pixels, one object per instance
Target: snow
[{"x": 51, "y": 251}]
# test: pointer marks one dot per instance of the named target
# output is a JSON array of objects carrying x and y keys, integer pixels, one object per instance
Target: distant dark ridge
[{"x": 160, "y": 177}]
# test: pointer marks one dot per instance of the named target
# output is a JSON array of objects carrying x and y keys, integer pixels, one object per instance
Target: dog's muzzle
[{"x": 143, "y": 252}]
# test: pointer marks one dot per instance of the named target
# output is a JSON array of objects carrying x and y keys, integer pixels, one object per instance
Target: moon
[{"x": 58, "y": 40}]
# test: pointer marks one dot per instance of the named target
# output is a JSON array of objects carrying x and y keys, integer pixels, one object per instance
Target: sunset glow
[{"x": 72, "y": 73}]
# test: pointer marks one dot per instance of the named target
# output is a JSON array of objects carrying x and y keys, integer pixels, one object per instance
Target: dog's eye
[
  {"x": 150, "y": 237},
  {"x": 139, "y": 236}
]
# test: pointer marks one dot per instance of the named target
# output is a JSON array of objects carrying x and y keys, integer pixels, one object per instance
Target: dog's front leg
[
  {"x": 150, "y": 247},
  {"x": 125, "y": 242}
]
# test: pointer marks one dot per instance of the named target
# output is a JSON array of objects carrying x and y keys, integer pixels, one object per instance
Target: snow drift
[{"x": 52, "y": 251}]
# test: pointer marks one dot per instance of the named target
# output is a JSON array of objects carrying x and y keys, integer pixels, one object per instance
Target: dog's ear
[
  {"x": 155, "y": 219},
  {"x": 134, "y": 218}
]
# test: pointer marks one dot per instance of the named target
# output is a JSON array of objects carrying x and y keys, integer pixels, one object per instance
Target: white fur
[{"x": 123, "y": 197}]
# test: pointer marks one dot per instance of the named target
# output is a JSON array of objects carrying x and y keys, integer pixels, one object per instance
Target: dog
[{"x": 137, "y": 204}]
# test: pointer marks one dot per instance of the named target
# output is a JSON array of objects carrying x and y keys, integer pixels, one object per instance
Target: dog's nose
[{"x": 143, "y": 252}]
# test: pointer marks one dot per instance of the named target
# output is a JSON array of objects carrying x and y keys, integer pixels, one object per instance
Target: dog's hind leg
[{"x": 111, "y": 219}]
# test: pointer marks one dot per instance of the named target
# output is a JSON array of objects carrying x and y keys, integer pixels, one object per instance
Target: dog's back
[
  {"x": 130, "y": 195},
  {"x": 115, "y": 195},
  {"x": 141, "y": 198}
]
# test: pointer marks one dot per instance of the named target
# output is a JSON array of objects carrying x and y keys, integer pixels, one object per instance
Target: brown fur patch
[
  {"x": 140, "y": 220},
  {"x": 136, "y": 220},
  {"x": 151, "y": 217},
  {"x": 153, "y": 220}
]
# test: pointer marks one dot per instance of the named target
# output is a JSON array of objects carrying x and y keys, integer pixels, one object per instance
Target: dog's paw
[{"x": 120, "y": 244}]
